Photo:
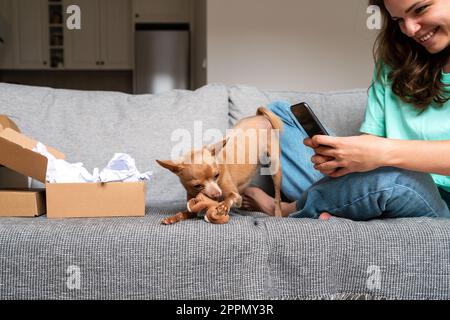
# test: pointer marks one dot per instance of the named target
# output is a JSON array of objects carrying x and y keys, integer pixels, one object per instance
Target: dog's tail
[{"x": 273, "y": 119}]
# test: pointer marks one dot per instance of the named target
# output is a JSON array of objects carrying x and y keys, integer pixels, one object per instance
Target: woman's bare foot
[
  {"x": 255, "y": 199},
  {"x": 325, "y": 216}
]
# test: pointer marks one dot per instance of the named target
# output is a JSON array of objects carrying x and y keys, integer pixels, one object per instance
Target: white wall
[{"x": 289, "y": 44}]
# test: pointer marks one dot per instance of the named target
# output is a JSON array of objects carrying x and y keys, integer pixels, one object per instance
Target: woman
[{"x": 384, "y": 173}]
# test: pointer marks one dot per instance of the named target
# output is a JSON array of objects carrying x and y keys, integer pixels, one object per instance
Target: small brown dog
[{"x": 215, "y": 172}]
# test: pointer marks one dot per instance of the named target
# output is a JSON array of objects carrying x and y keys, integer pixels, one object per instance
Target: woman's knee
[
  {"x": 279, "y": 105},
  {"x": 382, "y": 193},
  {"x": 386, "y": 177},
  {"x": 418, "y": 181},
  {"x": 282, "y": 109},
  {"x": 411, "y": 193}
]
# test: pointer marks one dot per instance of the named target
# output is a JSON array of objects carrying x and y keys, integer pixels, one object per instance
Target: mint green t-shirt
[{"x": 388, "y": 116}]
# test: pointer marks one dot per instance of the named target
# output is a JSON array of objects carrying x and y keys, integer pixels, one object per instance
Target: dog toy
[{"x": 215, "y": 213}]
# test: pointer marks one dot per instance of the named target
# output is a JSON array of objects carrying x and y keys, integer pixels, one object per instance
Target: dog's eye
[
  {"x": 216, "y": 176},
  {"x": 198, "y": 187}
]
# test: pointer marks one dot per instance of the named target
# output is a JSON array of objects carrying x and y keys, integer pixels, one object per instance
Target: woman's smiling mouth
[{"x": 428, "y": 36}]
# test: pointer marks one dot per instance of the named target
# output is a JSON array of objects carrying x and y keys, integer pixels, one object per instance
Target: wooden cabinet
[
  {"x": 7, "y": 34},
  {"x": 116, "y": 41},
  {"x": 32, "y": 42},
  {"x": 82, "y": 47},
  {"x": 162, "y": 11},
  {"x": 105, "y": 38},
  {"x": 25, "y": 24},
  {"x": 33, "y": 38}
]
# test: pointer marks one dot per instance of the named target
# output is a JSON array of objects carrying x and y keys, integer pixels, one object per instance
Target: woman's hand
[{"x": 338, "y": 156}]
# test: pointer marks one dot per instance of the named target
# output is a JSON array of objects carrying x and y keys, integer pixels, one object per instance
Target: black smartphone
[{"x": 308, "y": 120}]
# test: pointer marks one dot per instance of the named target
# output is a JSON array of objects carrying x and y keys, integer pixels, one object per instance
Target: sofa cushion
[
  {"x": 341, "y": 111},
  {"x": 90, "y": 126},
  {"x": 405, "y": 258},
  {"x": 132, "y": 258},
  {"x": 248, "y": 258}
]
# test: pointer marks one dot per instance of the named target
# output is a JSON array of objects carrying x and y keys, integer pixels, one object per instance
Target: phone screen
[{"x": 308, "y": 120}]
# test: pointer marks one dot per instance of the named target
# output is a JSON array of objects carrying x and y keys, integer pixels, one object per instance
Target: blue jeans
[{"x": 386, "y": 192}]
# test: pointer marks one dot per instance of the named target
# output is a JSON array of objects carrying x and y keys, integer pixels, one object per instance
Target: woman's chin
[
  {"x": 436, "y": 47},
  {"x": 434, "y": 50}
]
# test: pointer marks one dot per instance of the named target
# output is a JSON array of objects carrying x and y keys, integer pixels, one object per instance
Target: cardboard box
[
  {"x": 66, "y": 200},
  {"x": 95, "y": 199},
  {"x": 22, "y": 203},
  {"x": 9, "y": 178}
]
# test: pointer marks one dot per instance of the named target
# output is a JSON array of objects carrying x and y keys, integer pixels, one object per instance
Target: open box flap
[
  {"x": 16, "y": 154},
  {"x": 6, "y": 122}
]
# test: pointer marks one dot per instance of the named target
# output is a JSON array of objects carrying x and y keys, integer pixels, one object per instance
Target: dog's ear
[
  {"x": 170, "y": 165},
  {"x": 215, "y": 148}
]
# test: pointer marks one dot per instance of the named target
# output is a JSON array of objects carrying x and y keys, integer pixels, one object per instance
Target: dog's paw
[
  {"x": 168, "y": 221},
  {"x": 222, "y": 209},
  {"x": 213, "y": 216},
  {"x": 238, "y": 202},
  {"x": 173, "y": 219}
]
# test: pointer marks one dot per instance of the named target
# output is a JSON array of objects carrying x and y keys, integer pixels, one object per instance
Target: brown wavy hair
[{"x": 415, "y": 73}]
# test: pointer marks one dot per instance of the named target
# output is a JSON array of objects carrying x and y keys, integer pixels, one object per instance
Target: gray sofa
[{"x": 251, "y": 257}]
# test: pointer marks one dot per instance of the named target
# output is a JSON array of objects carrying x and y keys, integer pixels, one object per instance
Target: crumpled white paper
[{"x": 121, "y": 168}]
